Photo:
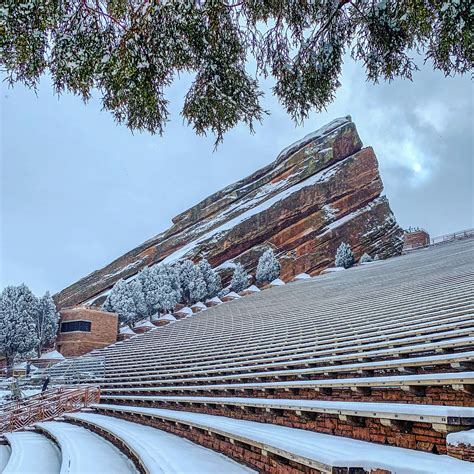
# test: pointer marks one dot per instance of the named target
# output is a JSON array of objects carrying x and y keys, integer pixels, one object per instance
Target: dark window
[{"x": 70, "y": 326}]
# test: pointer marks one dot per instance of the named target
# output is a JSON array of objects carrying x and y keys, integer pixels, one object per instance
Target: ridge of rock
[{"x": 320, "y": 191}]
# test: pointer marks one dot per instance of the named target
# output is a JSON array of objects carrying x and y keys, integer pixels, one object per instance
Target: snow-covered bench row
[
  {"x": 373, "y": 315},
  {"x": 319, "y": 451},
  {"x": 290, "y": 342},
  {"x": 439, "y": 415},
  {"x": 455, "y": 360},
  {"x": 337, "y": 329},
  {"x": 460, "y": 380},
  {"x": 83, "y": 451},
  {"x": 31, "y": 453},
  {"x": 254, "y": 352},
  {"x": 449, "y": 340},
  {"x": 367, "y": 331},
  {"x": 368, "y": 356},
  {"x": 155, "y": 451}
]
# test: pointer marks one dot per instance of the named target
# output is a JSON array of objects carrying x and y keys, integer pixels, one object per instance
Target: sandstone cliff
[{"x": 320, "y": 191}]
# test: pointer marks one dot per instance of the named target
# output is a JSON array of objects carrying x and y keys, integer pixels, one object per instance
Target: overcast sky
[{"x": 77, "y": 190}]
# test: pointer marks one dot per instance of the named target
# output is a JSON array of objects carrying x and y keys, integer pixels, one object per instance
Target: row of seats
[{"x": 374, "y": 358}]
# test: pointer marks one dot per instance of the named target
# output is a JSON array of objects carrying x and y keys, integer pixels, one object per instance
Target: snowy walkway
[
  {"x": 32, "y": 453},
  {"x": 86, "y": 452},
  {"x": 162, "y": 452},
  {"x": 316, "y": 449}
]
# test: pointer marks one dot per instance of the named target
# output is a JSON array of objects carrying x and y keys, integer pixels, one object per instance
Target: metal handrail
[
  {"x": 462, "y": 234},
  {"x": 47, "y": 405}
]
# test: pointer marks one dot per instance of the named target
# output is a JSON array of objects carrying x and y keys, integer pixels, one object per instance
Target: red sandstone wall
[{"x": 104, "y": 328}]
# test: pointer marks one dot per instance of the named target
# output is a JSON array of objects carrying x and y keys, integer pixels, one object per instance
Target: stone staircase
[{"x": 365, "y": 370}]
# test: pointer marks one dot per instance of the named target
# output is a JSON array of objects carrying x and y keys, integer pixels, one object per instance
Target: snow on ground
[
  {"x": 332, "y": 450},
  {"x": 302, "y": 276},
  {"x": 215, "y": 300},
  {"x": 4, "y": 455},
  {"x": 163, "y": 452},
  {"x": 32, "y": 453},
  {"x": 28, "y": 392},
  {"x": 462, "y": 437},
  {"x": 83, "y": 451},
  {"x": 233, "y": 294},
  {"x": 277, "y": 282},
  {"x": 52, "y": 355}
]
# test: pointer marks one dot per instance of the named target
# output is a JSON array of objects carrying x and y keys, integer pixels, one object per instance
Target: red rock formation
[{"x": 320, "y": 191}]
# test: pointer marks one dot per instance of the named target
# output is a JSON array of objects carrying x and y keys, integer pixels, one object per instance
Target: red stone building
[
  {"x": 82, "y": 329},
  {"x": 415, "y": 239}
]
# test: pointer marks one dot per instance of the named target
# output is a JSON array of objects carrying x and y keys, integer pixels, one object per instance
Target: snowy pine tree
[
  {"x": 148, "y": 279},
  {"x": 47, "y": 319},
  {"x": 127, "y": 300},
  {"x": 240, "y": 279},
  {"x": 168, "y": 290},
  {"x": 365, "y": 258},
  {"x": 18, "y": 310},
  {"x": 211, "y": 278},
  {"x": 344, "y": 256},
  {"x": 268, "y": 267},
  {"x": 192, "y": 282}
]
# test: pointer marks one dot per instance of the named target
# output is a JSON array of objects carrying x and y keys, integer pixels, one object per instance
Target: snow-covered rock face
[{"x": 320, "y": 191}]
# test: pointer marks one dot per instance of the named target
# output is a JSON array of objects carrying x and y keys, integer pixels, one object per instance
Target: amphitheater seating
[
  {"x": 376, "y": 362},
  {"x": 32, "y": 452}
]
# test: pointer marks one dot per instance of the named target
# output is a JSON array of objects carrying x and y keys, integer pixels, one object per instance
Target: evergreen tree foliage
[
  {"x": 211, "y": 278},
  {"x": 344, "y": 256},
  {"x": 148, "y": 280},
  {"x": 193, "y": 285},
  {"x": 240, "y": 279},
  {"x": 268, "y": 267},
  {"x": 365, "y": 258},
  {"x": 168, "y": 292},
  {"x": 127, "y": 300},
  {"x": 47, "y": 319},
  {"x": 131, "y": 51},
  {"x": 18, "y": 312}
]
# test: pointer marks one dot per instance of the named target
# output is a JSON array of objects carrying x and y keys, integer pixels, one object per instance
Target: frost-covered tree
[
  {"x": 18, "y": 311},
  {"x": 46, "y": 323},
  {"x": 127, "y": 300},
  {"x": 168, "y": 292},
  {"x": 211, "y": 278},
  {"x": 193, "y": 286},
  {"x": 132, "y": 50},
  {"x": 240, "y": 279},
  {"x": 365, "y": 258},
  {"x": 148, "y": 280},
  {"x": 344, "y": 256},
  {"x": 268, "y": 267}
]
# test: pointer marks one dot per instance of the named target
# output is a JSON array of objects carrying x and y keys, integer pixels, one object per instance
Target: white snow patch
[
  {"x": 461, "y": 437},
  {"x": 277, "y": 282},
  {"x": 302, "y": 276},
  {"x": 233, "y": 294},
  {"x": 52, "y": 355},
  {"x": 252, "y": 289}
]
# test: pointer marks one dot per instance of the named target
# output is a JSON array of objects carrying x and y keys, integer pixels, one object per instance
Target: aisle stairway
[{"x": 366, "y": 370}]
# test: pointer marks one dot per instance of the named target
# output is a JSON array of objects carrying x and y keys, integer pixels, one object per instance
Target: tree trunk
[{"x": 9, "y": 358}]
